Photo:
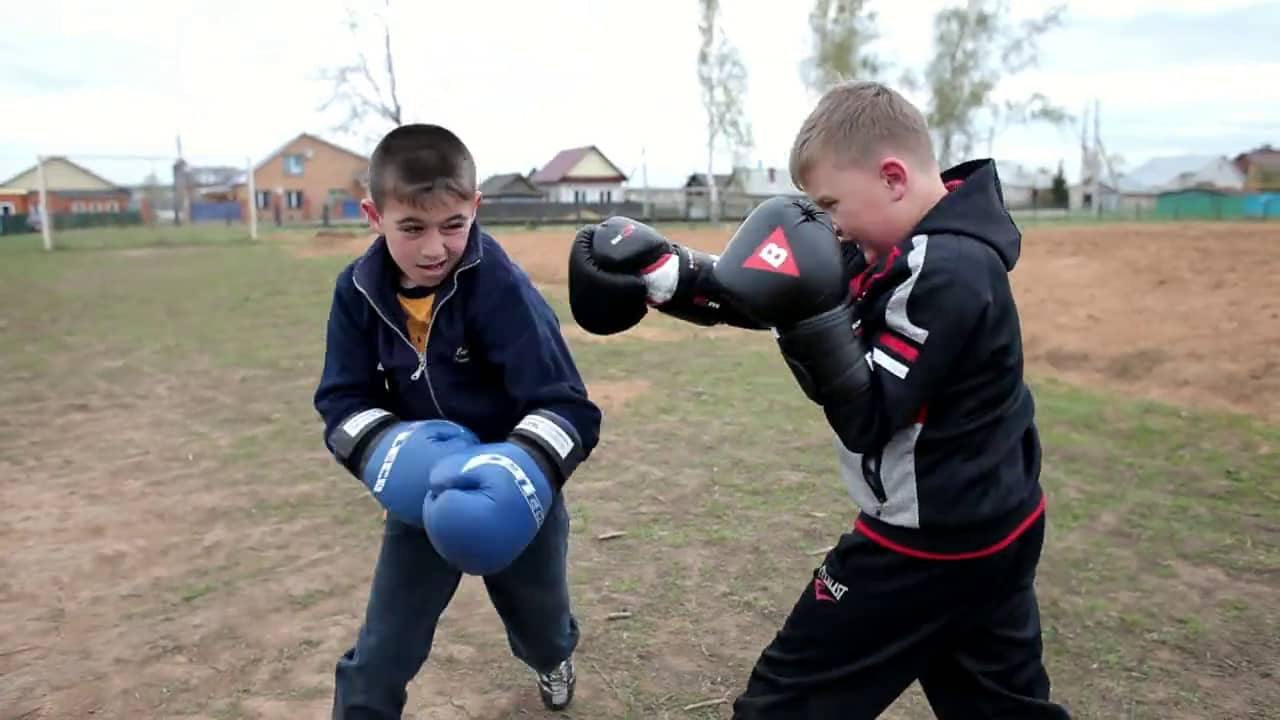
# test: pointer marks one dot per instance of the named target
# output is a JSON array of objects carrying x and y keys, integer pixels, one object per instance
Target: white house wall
[
  {"x": 60, "y": 175},
  {"x": 1221, "y": 173},
  {"x": 591, "y": 192},
  {"x": 592, "y": 165}
]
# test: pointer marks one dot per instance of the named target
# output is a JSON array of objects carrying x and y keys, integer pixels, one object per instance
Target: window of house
[
  {"x": 293, "y": 199},
  {"x": 293, "y": 164},
  {"x": 8, "y": 208},
  {"x": 606, "y": 196},
  {"x": 579, "y": 196},
  {"x": 263, "y": 199}
]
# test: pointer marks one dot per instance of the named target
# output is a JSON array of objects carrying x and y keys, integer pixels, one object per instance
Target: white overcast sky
[{"x": 237, "y": 78}]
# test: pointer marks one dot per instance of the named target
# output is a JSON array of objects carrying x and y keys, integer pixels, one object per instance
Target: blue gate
[
  {"x": 1262, "y": 205},
  {"x": 226, "y": 210},
  {"x": 349, "y": 208}
]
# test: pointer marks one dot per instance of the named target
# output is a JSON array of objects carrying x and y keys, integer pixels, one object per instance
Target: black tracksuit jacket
[{"x": 943, "y": 456}]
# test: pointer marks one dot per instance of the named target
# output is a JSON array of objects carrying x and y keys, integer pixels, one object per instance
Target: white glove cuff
[{"x": 662, "y": 278}]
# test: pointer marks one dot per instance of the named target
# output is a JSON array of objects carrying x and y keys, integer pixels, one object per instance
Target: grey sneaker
[{"x": 556, "y": 687}]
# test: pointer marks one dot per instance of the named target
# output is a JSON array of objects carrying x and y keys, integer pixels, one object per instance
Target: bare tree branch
[
  {"x": 391, "y": 71},
  {"x": 723, "y": 78},
  {"x": 357, "y": 89}
]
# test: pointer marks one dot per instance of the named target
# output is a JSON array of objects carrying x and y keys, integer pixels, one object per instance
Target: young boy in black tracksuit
[
  {"x": 436, "y": 323},
  {"x": 937, "y": 446}
]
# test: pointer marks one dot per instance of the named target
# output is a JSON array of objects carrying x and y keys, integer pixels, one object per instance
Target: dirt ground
[
  {"x": 1185, "y": 314},
  {"x": 176, "y": 543}
]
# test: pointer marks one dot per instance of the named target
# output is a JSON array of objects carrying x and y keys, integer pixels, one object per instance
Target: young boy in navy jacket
[{"x": 449, "y": 391}]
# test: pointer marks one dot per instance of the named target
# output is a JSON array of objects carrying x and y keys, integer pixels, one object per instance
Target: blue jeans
[{"x": 412, "y": 585}]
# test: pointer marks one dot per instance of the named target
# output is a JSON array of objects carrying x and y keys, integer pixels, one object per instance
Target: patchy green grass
[
  {"x": 189, "y": 547},
  {"x": 134, "y": 236}
]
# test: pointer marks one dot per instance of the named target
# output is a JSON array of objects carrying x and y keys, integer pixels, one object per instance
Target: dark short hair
[{"x": 413, "y": 161}]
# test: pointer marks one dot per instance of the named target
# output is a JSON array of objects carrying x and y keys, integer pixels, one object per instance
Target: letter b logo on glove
[{"x": 774, "y": 255}]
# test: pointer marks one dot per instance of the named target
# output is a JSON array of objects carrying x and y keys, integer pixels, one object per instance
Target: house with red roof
[{"x": 581, "y": 175}]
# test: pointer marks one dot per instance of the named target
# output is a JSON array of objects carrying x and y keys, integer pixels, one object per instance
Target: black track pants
[{"x": 873, "y": 620}]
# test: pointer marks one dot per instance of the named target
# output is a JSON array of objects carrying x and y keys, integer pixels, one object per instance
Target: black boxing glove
[
  {"x": 603, "y": 302},
  {"x": 785, "y": 267},
  {"x": 620, "y": 267}
]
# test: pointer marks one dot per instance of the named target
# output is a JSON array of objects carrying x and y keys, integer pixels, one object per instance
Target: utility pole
[
  {"x": 179, "y": 184},
  {"x": 644, "y": 174},
  {"x": 1097, "y": 154}
]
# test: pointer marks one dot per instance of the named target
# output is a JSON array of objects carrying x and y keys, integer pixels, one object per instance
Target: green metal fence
[
  {"x": 15, "y": 224},
  {"x": 1198, "y": 204},
  {"x": 74, "y": 221}
]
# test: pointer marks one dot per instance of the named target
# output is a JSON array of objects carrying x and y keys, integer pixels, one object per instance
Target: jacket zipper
[
  {"x": 405, "y": 338},
  {"x": 422, "y": 356}
]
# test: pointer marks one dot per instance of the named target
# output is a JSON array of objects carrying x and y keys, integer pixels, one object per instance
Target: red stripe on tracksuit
[
  {"x": 992, "y": 549},
  {"x": 900, "y": 347}
]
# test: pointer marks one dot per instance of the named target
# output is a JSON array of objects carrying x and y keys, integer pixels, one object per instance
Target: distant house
[
  {"x": 1138, "y": 188},
  {"x": 1181, "y": 172},
  {"x": 1024, "y": 187},
  {"x": 1123, "y": 195},
  {"x": 71, "y": 188},
  {"x": 215, "y": 181},
  {"x": 760, "y": 183},
  {"x": 697, "y": 194},
  {"x": 13, "y": 201},
  {"x": 510, "y": 187},
  {"x": 306, "y": 174},
  {"x": 13, "y": 210},
  {"x": 748, "y": 187},
  {"x": 1261, "y": 168},
  {"x": 661, "y": 203},
  {"x": 581, "y": 175}
]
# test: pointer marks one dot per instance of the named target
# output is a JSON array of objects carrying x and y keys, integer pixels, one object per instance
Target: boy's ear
[
  {"x": 893, "y": 173},
  {"x": 371, "y": 212},
  {"x": 476, "y": 203}
]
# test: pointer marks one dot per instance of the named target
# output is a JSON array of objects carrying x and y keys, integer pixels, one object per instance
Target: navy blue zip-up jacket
[{"x": 494, "y": 350}]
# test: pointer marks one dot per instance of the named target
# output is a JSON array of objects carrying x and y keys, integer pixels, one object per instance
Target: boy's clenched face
[
  {"x": 426, "y": 239},
  {"x": 874, "y": 206}
]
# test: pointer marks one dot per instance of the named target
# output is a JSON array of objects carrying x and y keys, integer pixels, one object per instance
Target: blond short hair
[{"x": 854, "y": 122}]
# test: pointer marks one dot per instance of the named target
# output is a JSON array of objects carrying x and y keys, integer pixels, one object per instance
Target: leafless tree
[
  {"x": 366, "y": 88},
  {"x": 723, "y": 78}
]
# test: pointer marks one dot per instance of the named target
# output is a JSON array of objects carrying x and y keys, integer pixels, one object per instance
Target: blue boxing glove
[
  {"x": 394, "y": 459},
  {"x": 485, "y": 505}
]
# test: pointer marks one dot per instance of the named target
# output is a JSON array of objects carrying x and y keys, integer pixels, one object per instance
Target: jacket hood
[{"x": 975, "y": 208}]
